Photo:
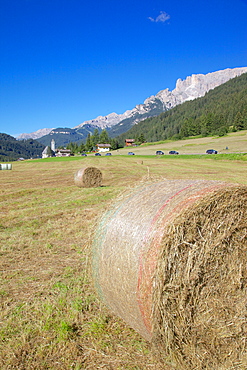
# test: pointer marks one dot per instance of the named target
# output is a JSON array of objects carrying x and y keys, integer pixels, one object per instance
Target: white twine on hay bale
[
  {"x": 89, "y": 177},
  {"x": 171, "y": 260}
]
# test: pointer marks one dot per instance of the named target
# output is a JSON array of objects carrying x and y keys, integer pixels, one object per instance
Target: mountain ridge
[
  {"x": 219, "y": 111},
  {"x": 194, "y": 86},
  {"x": 36, "y": 134}
]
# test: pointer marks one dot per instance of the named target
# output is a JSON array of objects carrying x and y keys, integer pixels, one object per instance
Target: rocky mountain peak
[
  {"x": 197, "y": 85},
  {"x": 36, "y": 134},
  {"x": 194, "y": 86}
]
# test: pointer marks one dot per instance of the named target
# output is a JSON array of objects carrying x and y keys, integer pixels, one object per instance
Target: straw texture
[
  {"x": 89, "y": 177},
  {"x": 200, "y": 297},
  {"x": 171, "y": 260}
]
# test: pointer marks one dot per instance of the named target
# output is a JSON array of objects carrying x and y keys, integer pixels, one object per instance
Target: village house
[
  {"x": 129, "y": 142},
  {"x": 63, "y": 152},
  {"x": 103, "y": 147}
]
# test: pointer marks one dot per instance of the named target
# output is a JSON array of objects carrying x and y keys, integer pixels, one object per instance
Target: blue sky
[{"x": 66, "y": 61}]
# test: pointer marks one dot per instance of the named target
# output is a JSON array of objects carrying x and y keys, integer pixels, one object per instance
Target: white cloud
[{"x": 163, "y": 17}]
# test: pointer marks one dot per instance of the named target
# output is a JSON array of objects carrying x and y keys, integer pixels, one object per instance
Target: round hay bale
[
  {"x": 4, "y": 166},
  {"x": 171, "y": 260},
  {"x": 89, "y": 177}
]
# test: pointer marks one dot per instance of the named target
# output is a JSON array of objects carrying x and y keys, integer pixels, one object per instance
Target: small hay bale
[
  {"x": 89, "y": 177},
  {"x": 171, "y": 260}
]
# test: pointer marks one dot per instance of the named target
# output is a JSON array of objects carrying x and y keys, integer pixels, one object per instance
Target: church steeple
[{"x": 53, "y": 145}]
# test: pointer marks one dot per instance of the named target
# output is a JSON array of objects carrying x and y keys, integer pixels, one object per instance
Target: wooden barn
[{"x": 129, "y": 142}]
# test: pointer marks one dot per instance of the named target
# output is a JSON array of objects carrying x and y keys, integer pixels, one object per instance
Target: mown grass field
[
  {"x": 235, "y": 142},
  {"x": 50, "y": 316}
]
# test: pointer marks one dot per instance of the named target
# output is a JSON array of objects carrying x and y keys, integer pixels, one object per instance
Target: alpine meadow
[{"x": 51, "y": 316}]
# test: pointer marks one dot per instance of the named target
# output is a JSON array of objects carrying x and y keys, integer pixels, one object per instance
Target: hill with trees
[
  {"x": 91, "y": 142},
  {"x": 65, "y": 135},
  {"x": 12, "y": 149},
  {"x": 221, "y": 110}
]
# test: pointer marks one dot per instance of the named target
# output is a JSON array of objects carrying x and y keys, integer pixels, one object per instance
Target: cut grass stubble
[{"x": 50, "y": 317}]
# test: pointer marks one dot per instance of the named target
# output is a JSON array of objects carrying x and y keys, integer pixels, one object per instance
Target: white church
[
  {"x": 52, "y": 151},
  {"x": 46, "y": 152}
]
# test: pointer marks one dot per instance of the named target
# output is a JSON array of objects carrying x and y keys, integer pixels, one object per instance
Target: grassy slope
[
  {"x": 50, "y": 316},
  {"x": 236, "y": 142}
]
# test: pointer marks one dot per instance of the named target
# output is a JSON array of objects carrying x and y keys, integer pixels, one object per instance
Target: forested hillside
[
  {"x": 64, "y": 135},
  {"x": 221, "y": 110},
  {"x": 12, "y": 149}
]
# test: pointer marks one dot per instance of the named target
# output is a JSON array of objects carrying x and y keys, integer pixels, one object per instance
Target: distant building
[
  {"x": 47, "y": 152},
  {"x": 63, "y": 153},
  {"x": 103, "y": 147},
  {"x": 129, "y": 142}
]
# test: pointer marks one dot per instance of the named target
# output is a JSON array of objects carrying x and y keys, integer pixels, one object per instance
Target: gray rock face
[
  {"x": 196, "y": 86},
  {"x": 192, "y": 87},
  {"x": 36, "y": 134}
]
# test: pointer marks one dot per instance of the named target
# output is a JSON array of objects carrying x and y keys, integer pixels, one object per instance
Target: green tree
[
  {"x": 222, "y": 131},
  {"x": 81, "y": 148},
  {"x": 73, "y": 147},
  {"x": 89, "y": 144},
  {"x": 95, "y": 137},
  {"x": 238, "y": 122},
  {"x": 114, "y": 144},
  {"x": 188, "y": 128},
  {"x": 141, "y": 138},
  {"x": 103, "y": 137}
]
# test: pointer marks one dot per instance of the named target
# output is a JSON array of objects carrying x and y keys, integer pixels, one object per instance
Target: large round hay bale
[
  {"x": 89, "y": 177},
  {"x": 171, "y": 260}
]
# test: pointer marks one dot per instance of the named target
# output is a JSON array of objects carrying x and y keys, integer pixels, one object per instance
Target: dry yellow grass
[
  {"x": 50, "y": 317},
  {"x": 235, "y": 142}
]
